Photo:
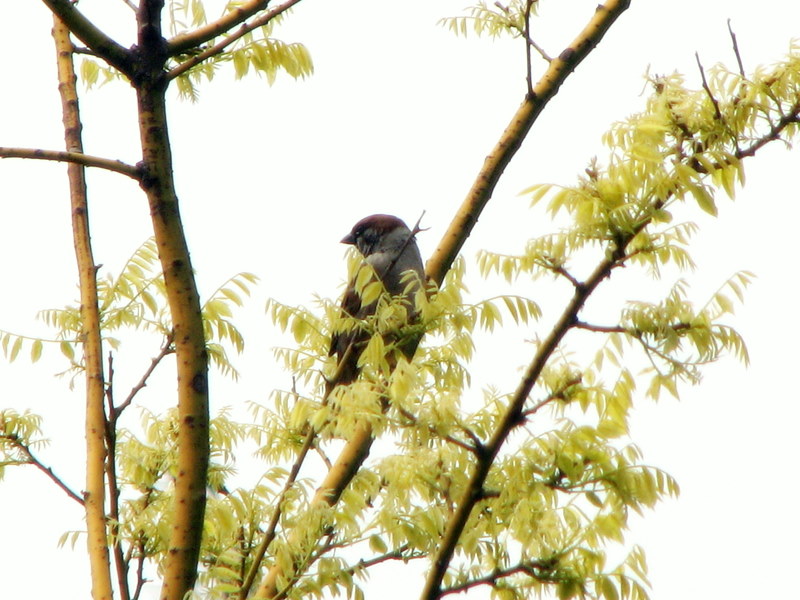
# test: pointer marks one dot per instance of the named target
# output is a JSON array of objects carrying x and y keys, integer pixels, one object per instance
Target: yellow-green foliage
[
  {"x": 493, "y": 19},
  {"x": 257, "y": 50},
  {"x": 559, "y": 490},
  {"x": 135, "y": 300}
]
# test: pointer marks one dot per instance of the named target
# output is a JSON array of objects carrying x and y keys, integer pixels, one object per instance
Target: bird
[{"x": 389, "y": 247}]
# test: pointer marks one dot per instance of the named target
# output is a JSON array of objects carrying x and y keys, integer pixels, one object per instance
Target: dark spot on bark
[
  {"x": 199, "y": 383},
  {"x": 566, "y": 54}
]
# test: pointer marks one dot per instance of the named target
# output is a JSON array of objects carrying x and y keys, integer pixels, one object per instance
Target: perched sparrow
[{"x": 389, "y": 247}]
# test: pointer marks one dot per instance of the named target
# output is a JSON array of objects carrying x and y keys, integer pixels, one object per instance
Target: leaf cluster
[
  {"x": 560, "y": 489},
  {"x": 493, "y": 19},
  {"x": 255, "y": 50}
]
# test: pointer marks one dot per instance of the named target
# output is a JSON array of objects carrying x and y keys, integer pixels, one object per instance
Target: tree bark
[
  {"x": 96, "y": 451},
  {"x": 180, "y": 571}
]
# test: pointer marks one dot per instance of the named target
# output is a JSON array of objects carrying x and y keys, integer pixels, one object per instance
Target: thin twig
[
  {"x": 566, "y": 275},
  {"x": 528, "y": 44},
  {"x": 140, "y": 579},
  {"x": 736, "y": 50},
  {"x": 31, "y": 459},
  {"x": 272, "y": 527},
  {"x": 717, "y": 112},
  {"x": 620, "y": 329},
  {"x": 120, "y": 563},
  {"x": 398, "y": 554},
  {"x": 555, "y": 395},
  {"x": 166, "y": 349},
  {"x": 493, "y": 577},
  {"x": 447, "y": 437}
]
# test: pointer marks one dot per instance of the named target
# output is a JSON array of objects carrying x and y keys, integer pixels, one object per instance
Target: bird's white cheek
[{"x": 379, "y": 261}]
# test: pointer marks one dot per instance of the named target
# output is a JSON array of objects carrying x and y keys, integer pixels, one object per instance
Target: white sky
[{"x": 398, "y": 118}]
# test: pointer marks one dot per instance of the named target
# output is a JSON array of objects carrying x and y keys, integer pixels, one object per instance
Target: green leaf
[
  {"x": 36, "y": 350},
  {"x": 704, "y": 199},
  {"x": 15, "y": 348},
  {"x": 67, "y": 349}
]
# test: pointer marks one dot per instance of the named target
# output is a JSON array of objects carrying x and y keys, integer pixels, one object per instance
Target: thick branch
[
  {"x": 180, "y": 568},
  {"x": 511, "y": 140},
  {"x": 78, "y": 158},
  {"x": 193, "y": 39},
  {"x": 220, "y": 46},
  {"x": 96, "y": 449},
  {"x": 102, "y": 45}
]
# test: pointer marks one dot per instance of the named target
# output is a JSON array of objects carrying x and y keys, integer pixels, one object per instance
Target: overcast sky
[{"x": 398, "y": 118}]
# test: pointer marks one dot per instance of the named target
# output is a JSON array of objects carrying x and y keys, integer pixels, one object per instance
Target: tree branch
[
  {"x": 120, "y": 563},
  {"x": 511, "y": 139},
  {"x": 512, "y": 417},
  {"x": 714, "y": 101},
  {"x": 106, "y": 48},
  {"x": 447, "y": 437},
  {"x": 32, "y": 460},
  {"x": 196, "y": 38},
  {"x": 736, "y": 50},
  {"x": 529, "y": 568},
  {"x": 99, "y": 455},
  {"x": 220, "y": 46},
  {"x": 358, "y": 445},
  {"x": 166, "y": 349},
  {"x": 78, "y": 158},
  {"x": 272, "y": 527}
]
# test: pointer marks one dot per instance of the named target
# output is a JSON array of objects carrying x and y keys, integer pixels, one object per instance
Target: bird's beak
[{"x": 348, "y": 239}]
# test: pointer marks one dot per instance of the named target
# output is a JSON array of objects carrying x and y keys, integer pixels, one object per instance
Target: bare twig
[
  {"x": 166, "y": 349},
  {"x": 555, "y": 395},
  {"x": 400, "y": 553},
  {"x": 530, "y": 568},
  {"x": 717, "y": 112},
  {"x": 736, "y": 50},
  {"x": 79, "y": 158},
  {"x": 528, "y": 44},
  {"x": 31, "y": 459},
  {"x": 120, "y": 562},
  {"x": 140, "y": 578}
]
